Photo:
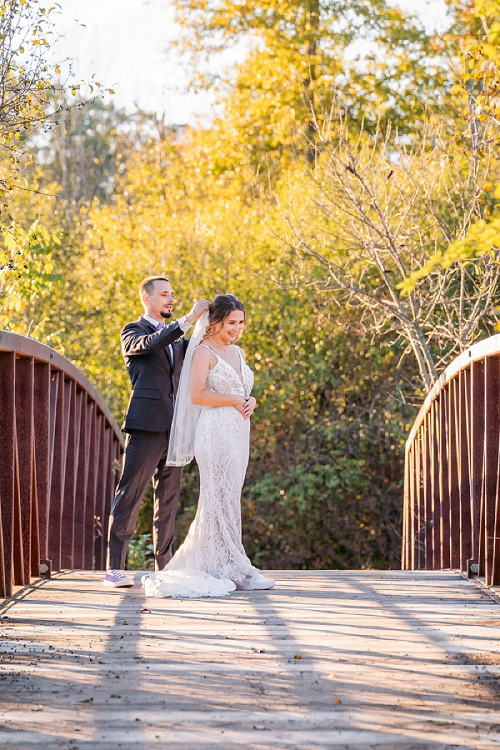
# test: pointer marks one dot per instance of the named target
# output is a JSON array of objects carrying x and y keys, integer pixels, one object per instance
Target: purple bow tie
[{"x": 160, "y": 326}]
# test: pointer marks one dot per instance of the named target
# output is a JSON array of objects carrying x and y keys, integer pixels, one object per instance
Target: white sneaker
[
  {"x": 117, "y": 579},
  {"x": 263, "y": 583},
  {"x": 254, "y": 584}
]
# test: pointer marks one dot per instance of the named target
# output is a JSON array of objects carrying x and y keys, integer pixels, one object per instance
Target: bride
[{"x": 212, "y": 420}]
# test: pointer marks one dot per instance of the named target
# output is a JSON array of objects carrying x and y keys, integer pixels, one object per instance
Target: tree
[
  {"x": 210, "y": 208},
  {"x": 26, "y": 76},
  {"x": 304, "y": 58},
  {"x": 375, "y": 215},
  {"x": 325, "y": 410},
  {"x": 87, "y": 147},
  {"x": 478, "y": 92},
  {"x": 32, "y": 97}
]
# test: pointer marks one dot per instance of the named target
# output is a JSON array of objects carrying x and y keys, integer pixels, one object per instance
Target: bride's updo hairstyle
[{"x": 220, "y": 307}]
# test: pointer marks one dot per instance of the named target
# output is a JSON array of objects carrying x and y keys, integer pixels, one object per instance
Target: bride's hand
[
  {"x": 239, "y": 404},
  {"x": 249, "y": 407},
  {"x": 245, "y": 406}
]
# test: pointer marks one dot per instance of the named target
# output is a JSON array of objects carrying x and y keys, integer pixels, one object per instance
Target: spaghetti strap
[
  {"x": 239, "y": 374},
  {"x": 211, "y": 350}
]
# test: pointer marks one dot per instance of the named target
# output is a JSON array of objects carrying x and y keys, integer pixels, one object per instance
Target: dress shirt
[{"x": 184, "y": 325}]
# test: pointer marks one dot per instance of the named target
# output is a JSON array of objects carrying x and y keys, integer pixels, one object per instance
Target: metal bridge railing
[
  {"x": 60, "y": 451},
  {"x": 451, "y": 503}
]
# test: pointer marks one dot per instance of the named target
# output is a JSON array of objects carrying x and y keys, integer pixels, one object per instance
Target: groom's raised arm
[{"x": 136, "y": 342}]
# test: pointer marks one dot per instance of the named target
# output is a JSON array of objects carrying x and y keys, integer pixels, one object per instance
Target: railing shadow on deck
[
  {"x": 60, "y": 452},
  {"x": 451, "y": 513}
]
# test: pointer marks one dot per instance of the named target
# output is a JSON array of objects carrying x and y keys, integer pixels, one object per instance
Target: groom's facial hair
[{"x": 165, "y": 314}]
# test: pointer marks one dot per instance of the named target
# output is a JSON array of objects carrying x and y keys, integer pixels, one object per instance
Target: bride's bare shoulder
[{"x": 203, "y": 355}]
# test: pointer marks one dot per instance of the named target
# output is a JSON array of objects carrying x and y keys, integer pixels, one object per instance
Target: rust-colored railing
[
  {"x": 451, "y": 504},
  {"x": 60, "y": 449}
]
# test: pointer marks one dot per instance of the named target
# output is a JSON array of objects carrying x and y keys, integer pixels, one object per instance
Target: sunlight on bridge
[{"x": 327, "y": 659}]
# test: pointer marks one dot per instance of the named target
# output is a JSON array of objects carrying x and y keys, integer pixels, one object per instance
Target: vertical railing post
[
  {"x": 490, "y": 452},
  {"x": 82, "y": 467},
  {"x": 495, "y": 565},
  {"x": 408, "y": 512},
  {"x": 35, "y": 528},
  {"x": 91, "y": 487},
  {"x": 109, "y": 489},
  {"x": 68, "y": 510},
  {"x": 25, "y": 375},
  {"x": 102, "y": 485},
  {"x": 3, "y": 582},
  {"x": 57, "y": 475},
  {"x": 435, "y": 482},
  {"x": 465, "y": 468},
  {"x": 419, "y": 479},
  {"x": 444, "y": 488},
  {"x": 428, "y": 492},
  {"x": 7, "y": 462},
  {"x": 454, "y": 472},
  {"x": 18, "y": 548},
  {"x": 477, "y": 461},
  {"x": 42, "y": 452}
]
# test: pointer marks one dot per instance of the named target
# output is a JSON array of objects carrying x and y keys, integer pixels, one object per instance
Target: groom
[{"x": 153, "y": 353}]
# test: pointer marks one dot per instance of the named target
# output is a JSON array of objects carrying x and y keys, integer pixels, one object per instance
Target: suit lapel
[
  {"x": 167, "y": 348},
  {"x": 177, "y": 347},
  {"x": 147, "y": 323}
]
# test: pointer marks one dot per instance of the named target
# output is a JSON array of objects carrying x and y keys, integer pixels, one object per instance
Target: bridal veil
[{"x": 186, "y": 414}]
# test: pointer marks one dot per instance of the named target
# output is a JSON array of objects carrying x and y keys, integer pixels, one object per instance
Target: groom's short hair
[{"x": 148, "y": 284}]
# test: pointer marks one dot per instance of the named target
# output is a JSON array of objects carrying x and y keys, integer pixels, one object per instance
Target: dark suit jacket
[{"x": 154, "y": 378}]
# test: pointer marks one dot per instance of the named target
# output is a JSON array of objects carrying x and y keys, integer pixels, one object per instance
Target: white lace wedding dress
[{"x": 212, "y": 560}]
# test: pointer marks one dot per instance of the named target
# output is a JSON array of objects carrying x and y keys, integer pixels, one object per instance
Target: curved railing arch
[
  {"x": 452, "y": 468},
  {"x": 60, "y": 452}
]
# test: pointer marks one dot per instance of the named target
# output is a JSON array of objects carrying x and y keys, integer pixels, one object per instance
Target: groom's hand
[{"x": 197, "y": 310}]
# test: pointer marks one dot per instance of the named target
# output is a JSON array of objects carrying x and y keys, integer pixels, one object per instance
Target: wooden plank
[{"x": 387, "y": 660}]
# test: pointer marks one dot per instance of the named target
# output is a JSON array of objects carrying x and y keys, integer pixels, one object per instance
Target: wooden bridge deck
[{"x": 326, "y": 660}]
